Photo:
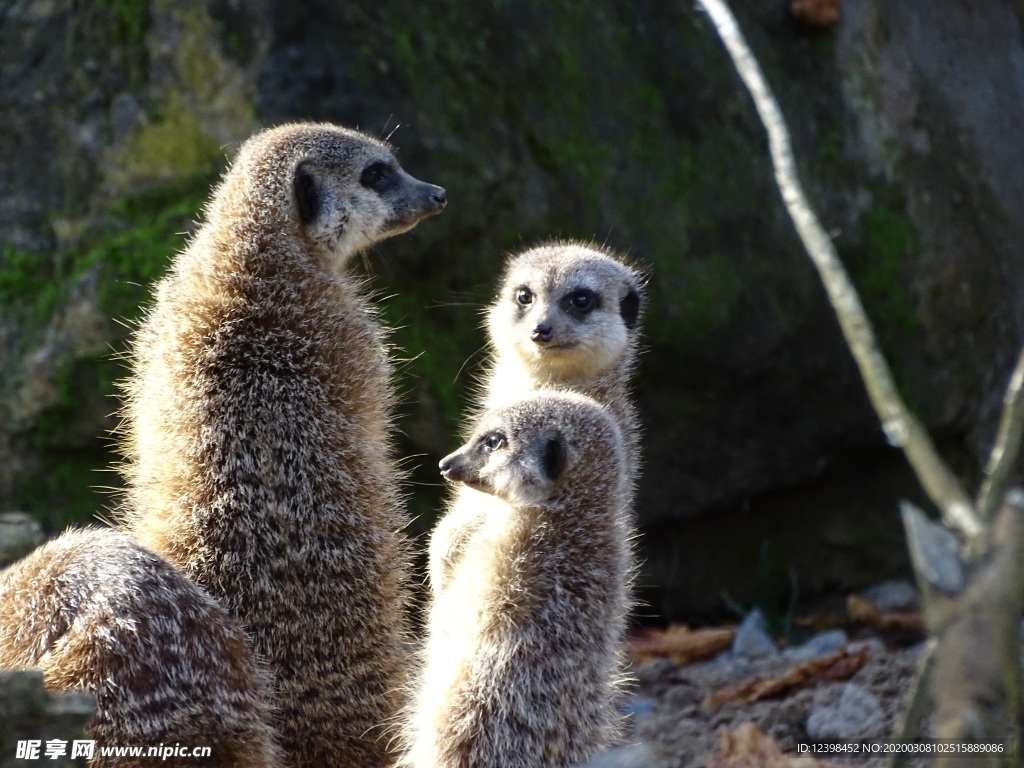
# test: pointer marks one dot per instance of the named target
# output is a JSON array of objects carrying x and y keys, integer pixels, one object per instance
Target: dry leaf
[
  {"x": 840, "y": 665},
  {"x": 747, "y": 746},
  {"x": 860, "y": 610},
  {"x": 816, "y": 13},
  {"x": 680, "y": 644}
]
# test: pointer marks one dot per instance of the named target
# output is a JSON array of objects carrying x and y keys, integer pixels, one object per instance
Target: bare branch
[
  {"x": 1007, "y": 446},
  {"x": 901, "y": 427}
]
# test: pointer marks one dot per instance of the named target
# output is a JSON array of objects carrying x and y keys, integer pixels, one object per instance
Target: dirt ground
[
  {"x": 669, "y": 714},
  {"x": 739, "y": 697}
]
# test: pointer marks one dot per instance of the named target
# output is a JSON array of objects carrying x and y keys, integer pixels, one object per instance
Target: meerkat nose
[
  {"x": 454, "y": 467},
  {"x": 439, "y": 196},
  {"x": 543, "y": 333}
]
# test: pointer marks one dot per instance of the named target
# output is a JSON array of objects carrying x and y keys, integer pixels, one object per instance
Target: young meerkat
[
  {"x": 522, "y": 663},
  {"x": 168, "y": 666},
  {"x": 258, "y": 422},
  {"x": 567, "y": 316}
]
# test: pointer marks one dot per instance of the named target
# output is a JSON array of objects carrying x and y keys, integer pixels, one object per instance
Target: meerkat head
[
  {"x": 567, "y": 311},
  {"x": 344, "y": 190},
  {"x": 527, "y": 451}
]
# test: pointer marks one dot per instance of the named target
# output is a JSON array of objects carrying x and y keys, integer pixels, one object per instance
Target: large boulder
[{"x": 612, "y": 120}]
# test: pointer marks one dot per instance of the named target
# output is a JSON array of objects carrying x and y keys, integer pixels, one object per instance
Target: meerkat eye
[
  {"x": 582, "y": 300},
  {"x": 524, "y": 297},
  {"x": 378, "y": 176},
  {"x": 494, "y": 441}
]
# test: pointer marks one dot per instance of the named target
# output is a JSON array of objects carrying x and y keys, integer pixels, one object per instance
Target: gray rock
[
  {"x": 821, "y": 644},
  {"x": 641, "y": 706},
  {"x": 630, "y": 756},
  {"x": 934, "y": 550},
  {"x": 895, "y": 595},
  {"x": 752, "y": 639},
  {"x": 743, "y": 349},
  {"x": 875, "y": 647},
  {"x": 853, "y": 714}
]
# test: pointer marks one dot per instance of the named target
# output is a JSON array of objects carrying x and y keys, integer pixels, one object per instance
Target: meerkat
[
  {"x": 522, "y": 661},
  {"x": 168, "y": 666},
  {"x": 567, "y": 316},
  {"x": 257, "y": 429}
]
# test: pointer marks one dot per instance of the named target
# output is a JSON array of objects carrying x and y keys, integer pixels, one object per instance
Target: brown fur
[
  {"x": 522, "y": 661},
  {"x": 257, "y": 430},
  {"x": 98, "y": 613}
]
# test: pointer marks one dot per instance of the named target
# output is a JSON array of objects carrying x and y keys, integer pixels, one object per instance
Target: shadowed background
[{"x": 766, "y": 475}]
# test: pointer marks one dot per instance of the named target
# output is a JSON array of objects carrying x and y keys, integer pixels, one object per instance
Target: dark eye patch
[
  {"x": 307, "y": 196},
  {"x": 378, "y": 176},
  {"x": 581, "y": 302}
]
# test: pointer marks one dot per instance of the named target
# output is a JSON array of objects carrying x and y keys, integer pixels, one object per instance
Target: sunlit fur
[
  {"x": 594, "y": 355},
  {"x": 522, "y": 662},
  {"x": 167, "y": 664},
  {"x": 257, "y": 431}
]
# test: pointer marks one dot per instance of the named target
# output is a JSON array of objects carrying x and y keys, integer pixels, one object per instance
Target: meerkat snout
[{"x": 542, "y": 333}]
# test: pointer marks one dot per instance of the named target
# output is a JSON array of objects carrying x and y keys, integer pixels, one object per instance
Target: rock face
[{"x": 636, "y": 133}]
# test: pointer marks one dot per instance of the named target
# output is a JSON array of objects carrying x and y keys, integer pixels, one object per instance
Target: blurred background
[{"x": 766, "y": 480}]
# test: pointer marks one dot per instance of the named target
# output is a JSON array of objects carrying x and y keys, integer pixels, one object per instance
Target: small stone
[
  {"x": 856, "y": 714},
  {"x": 934, "y": 550},
  {"x": 629, "y": 756},
  {"x": 820, "y": 644},
  {"x": 876, "y": 648},
  {"x": 642, "y": 706},
  {"x": 896, "y": 595},
  {"x": 653, "y": 670},
  {"x": 752, "y": 639}
]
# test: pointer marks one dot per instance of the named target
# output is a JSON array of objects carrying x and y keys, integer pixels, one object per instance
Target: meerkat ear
[
  {"x": 554, "y": 458},
  {"x": 307, "y": 196},
  {"x": 629, "y": 308}
]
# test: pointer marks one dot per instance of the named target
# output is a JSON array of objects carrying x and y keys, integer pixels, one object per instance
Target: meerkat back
[
  {"x": 258, "y": 429},
  {"x": 567, "y": 317},
  {"x": 522, "y": 664},
  {"x": 168, "y": 666}
]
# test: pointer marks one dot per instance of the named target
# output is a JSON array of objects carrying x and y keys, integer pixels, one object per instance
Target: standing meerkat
[
  {"x": 567, "y": 316},
  {"x": 523, "y": 656},
  {"x": 168, "y": 666},
  {"x": 257, "y": 429}
]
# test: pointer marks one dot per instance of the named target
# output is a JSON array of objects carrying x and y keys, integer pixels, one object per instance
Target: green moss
[
  {"x": 129, "y": 21},
  {"x": 128, "y": 252},
  {"x": 172, "y": 147},
  {"x": 27, "y": 286},
  {"x": 65, "y": 490},
  {"x": 712, "y": 290},
  {"x": 888, "y": 244},
  {"x": 830, "y": 147},
  {"x": 437, "y": 357}
]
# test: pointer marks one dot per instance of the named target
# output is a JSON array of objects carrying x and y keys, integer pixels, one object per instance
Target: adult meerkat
[
  {"x": 522, "y": 660},
  {"x": 168, "y": 666},
  {"x": 567, "y": 316},
  {"x": 257, "y": 429}
]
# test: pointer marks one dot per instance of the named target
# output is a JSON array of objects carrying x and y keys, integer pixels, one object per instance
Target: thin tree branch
[
  {"x": 901, "y": 427},
  {"x": 1007, "y": 446}
]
